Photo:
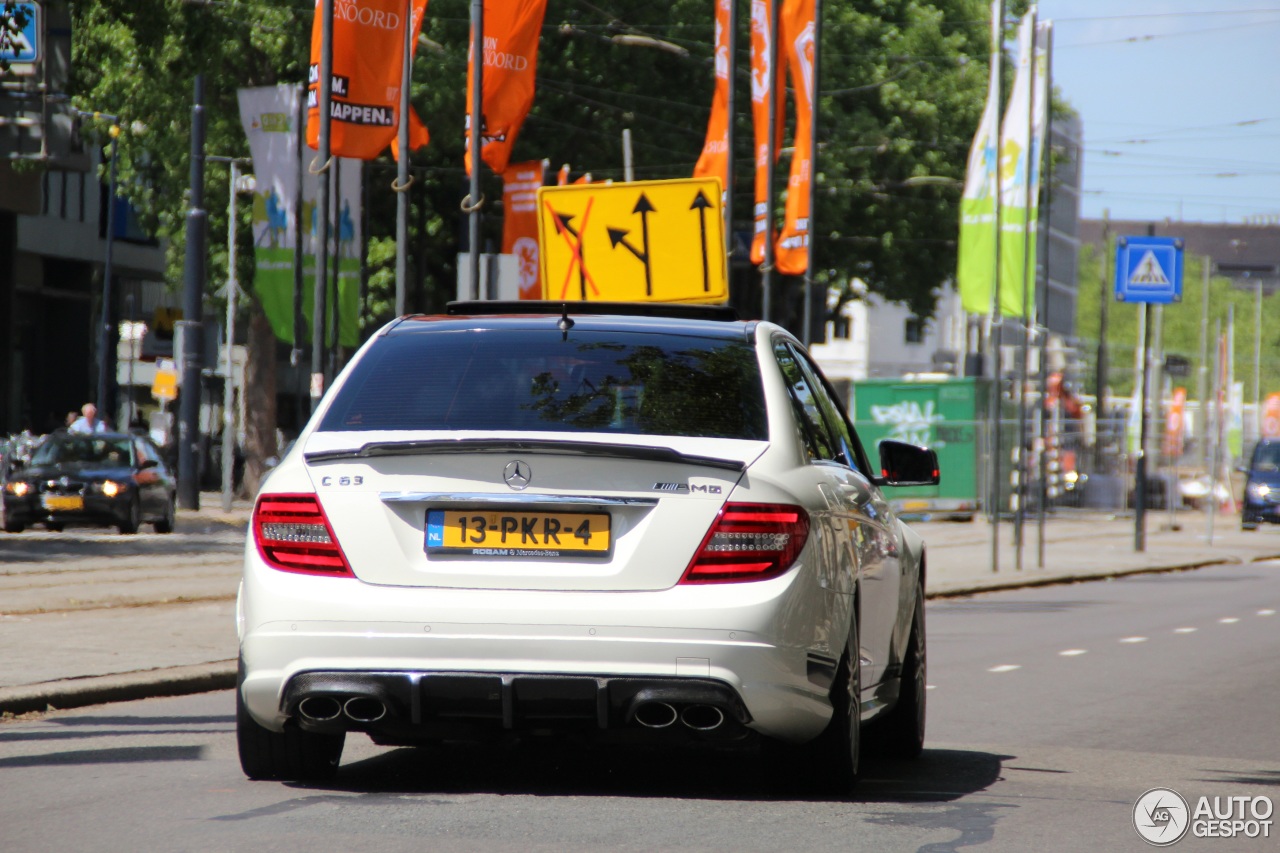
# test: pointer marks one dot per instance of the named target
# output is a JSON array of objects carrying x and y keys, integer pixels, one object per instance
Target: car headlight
[
  {"x": 1259, "y": 490},
  {"x": 17, "y": 488},
  {"x": 111, "y": 488}
]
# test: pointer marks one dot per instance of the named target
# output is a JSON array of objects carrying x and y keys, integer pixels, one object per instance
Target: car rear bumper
[{"x": 757, "y": 642}]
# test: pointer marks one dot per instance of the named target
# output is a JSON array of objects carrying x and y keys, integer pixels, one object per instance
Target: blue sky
[{"x": 1180, "y": 101}]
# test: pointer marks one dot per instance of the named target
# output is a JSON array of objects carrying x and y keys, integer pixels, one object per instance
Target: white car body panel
[{"x": 621, "y": 615}]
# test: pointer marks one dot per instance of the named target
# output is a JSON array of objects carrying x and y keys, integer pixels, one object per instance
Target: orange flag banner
[
  {"x": 520, "y": 183},
  {"x": 368, "y": 61},
  {"x": 761, "y": 39},
  {"x": 797, "y": 27},
  {"x": 511, "y": 32},
  {"x": 714, "y": 160}
]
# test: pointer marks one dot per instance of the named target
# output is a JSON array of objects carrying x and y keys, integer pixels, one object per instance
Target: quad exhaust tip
[
  {"x": 320, "y": 709},
  {"x": 364, "y": 709},
  {"x": 656, "y": 715},
  {"x": 702, "y": 718}
]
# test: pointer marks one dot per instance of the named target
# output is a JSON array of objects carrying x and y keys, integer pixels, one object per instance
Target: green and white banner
[
  {"x": 270, "y": 116},
  {"x": 1022, "y": 141},
  {"x": 976, "y": 263}
]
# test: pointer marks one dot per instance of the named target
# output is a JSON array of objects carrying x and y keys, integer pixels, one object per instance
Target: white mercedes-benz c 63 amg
[{"x": 620, "y": 521}]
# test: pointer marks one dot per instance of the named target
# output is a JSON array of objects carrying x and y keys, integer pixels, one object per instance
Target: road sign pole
[
  {"x": 472, "y": 206},
  {"x": 1140, "y": 488}
]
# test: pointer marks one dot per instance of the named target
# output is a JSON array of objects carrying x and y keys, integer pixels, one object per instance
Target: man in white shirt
[{"x": 88, "y": 421}]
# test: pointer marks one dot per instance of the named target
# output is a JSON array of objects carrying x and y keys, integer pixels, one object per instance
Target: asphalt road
[{"x": 1051, "y": 711}]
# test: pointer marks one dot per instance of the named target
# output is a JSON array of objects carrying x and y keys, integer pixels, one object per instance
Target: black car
[
  {"x": 102, "y": 479},
  {"x": 1262, "y": 487}
]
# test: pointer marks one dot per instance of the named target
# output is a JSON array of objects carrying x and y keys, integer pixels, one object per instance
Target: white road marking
[
  {"x": 1267, "y": 612},
  {"x": 1185, "y": 630},
  {"x": 1229, "y": 620},
  {"x": 1070, "y": 653},
  {"x": 1005, "y": 667},
  {"x": 1133, "y": 639}
]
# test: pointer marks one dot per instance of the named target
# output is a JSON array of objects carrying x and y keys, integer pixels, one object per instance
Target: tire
[
  {"x": 53, "y": 526},
  {"x": 130, "y": 525},
  {"x": 289, "y": 756},
  {"x": 1249, "y": 525},
  {"x": 13, "y": 527},
  {"x": 900, "y": 733},
  {"x": 839, "y": 748},
  {"x": 828, "y": 764},
  {"x": 164, "y": 524}
]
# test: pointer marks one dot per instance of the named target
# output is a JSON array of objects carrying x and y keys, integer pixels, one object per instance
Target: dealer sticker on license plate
[
  {"x": 63, "y": 503},
  {"x": 517, "y": 533}
]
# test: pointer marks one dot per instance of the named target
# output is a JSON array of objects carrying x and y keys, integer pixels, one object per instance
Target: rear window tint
[{"x": 536, "y": 380}]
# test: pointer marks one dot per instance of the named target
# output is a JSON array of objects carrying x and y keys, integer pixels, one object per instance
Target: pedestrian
[{"x": 88, "y": 420}]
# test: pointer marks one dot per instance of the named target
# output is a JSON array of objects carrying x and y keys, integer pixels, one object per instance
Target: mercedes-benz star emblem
[{"x": 517, "y": 474}]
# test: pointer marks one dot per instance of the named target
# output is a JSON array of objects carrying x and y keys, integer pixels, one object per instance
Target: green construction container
[{"x": 948, "y": 414}]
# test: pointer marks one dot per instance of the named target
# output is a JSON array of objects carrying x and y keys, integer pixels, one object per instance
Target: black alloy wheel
[
  {"x": 900, "y": 733},
  {"x": 133, "y": 520},
  {"x": 164, "y": 524}
]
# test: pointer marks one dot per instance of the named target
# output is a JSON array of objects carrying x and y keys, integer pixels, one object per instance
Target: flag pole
[
  {"x": 320, "y": 168},
  {"x": 995, "y": 336},
  {"x": 473, "y": 202},
  {"x": 1028, "y": 277},
  {"x": 401, "y": 186},
  {"x": 730, "y": 106},
  {"x": 771, "y": 146},
  {"x": 813, "y": 176}
]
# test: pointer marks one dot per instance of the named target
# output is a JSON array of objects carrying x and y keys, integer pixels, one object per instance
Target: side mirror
[
  {"x": 903, "y": 464},
  {"x": 148, "y": 463}
]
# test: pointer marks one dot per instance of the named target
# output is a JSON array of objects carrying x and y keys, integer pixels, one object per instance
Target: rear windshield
[{"x": 537, "y": 380}]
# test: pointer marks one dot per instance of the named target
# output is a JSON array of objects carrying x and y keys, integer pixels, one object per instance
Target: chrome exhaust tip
[
  {"x": 364, "y": 709},
  {"x": 320, "y": 709},
  {"x": 656, "y": 715},
  {"x": 702, "y": 718}
]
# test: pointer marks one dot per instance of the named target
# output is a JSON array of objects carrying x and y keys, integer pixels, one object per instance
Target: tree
[{"x": 902, "y": 85}]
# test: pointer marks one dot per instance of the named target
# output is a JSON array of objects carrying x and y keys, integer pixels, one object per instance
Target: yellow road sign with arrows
[{"x": 642, "y": 241}]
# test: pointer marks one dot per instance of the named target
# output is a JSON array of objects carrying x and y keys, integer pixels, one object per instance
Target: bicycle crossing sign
[{"x": 1149, "y": 269}]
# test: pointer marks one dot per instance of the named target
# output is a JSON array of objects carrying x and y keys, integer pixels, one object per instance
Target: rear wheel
[
  {"x": 900, "y": 734},
  {"x": 829, "y": 762},
  {"x": 291, "y": 755},
  {"x": 53, "y": 526},
  {"x": 13, "y": 527}
]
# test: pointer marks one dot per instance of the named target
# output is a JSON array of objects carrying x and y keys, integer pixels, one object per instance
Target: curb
[
  {"x": 120, "y": 687},
  {"x": 1026, "y": 581}
]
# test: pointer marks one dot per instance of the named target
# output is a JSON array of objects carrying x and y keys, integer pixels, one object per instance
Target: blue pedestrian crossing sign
[{"x": 1149, "y": 269}]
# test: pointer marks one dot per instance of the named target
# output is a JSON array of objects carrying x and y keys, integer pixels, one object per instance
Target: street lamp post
[
  {"x": 233, "y": 287},
  {"x": 105, "y": 361}
]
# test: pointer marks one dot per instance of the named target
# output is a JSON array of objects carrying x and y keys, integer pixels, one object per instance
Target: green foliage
[
  {"x": 902, "y": 83},
  {"x": 1182, "y": 325}
]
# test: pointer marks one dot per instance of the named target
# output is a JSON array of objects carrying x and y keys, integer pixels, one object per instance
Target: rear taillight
[
  {"x": 749, "y": 542},
  {"x": 293, "y": 535}
]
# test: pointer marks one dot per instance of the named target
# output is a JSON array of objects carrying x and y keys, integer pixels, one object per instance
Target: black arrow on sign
[
  {"x": 701, "y": 205},
  {"x": 581, "y": 251},
  {"x": 618, "y": 235}
]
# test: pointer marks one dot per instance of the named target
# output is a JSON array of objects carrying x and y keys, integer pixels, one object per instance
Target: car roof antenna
[{"x": 566, "y": 322}]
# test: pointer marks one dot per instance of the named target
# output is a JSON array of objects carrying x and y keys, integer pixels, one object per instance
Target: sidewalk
[{"x": 165, "y": 625}]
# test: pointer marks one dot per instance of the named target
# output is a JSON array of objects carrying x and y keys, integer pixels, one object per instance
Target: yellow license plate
[
  {"x": 55, "y": 503},
  {"x": 517, "y": 533}
]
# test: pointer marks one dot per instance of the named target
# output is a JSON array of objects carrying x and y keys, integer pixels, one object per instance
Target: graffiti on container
[{"x": 909, "y": 421}]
